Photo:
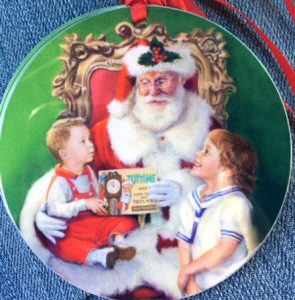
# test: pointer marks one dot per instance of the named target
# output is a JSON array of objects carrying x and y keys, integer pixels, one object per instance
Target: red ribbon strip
[
  {"x": 139, "y": 9},
  {"x": 291, "y": 8},
  {"x": 289, "y": 108}
]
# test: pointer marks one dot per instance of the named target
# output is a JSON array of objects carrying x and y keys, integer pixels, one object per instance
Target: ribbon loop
[{"x": 139, "y": 7}]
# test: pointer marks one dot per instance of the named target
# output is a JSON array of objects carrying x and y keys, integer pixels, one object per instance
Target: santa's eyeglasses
[{"x": 158, "y": 83}]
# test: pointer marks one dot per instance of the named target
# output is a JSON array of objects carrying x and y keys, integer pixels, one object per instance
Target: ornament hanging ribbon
[
  {"x": 139, "y": 13},
  {"x": 291, "y": 8},
  {"x": 139, "y": 7}
]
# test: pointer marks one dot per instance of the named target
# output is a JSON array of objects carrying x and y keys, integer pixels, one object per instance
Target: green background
[{"x": 28, "y": 110}]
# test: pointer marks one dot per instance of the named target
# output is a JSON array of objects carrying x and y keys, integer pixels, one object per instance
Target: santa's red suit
[{"x": 124, "y": 142}]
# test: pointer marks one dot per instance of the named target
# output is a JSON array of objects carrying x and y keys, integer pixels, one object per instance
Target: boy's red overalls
[{"x": 87, "y": 231}]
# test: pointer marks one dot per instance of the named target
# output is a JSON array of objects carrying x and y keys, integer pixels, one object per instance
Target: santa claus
[{"x": 154, "y": 122}]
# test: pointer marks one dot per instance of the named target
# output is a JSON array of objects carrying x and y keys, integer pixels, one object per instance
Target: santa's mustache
[{"x": 160, "y": 98}]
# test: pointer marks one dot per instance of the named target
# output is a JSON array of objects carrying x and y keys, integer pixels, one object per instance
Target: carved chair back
[{"x": 87, "y": 82}]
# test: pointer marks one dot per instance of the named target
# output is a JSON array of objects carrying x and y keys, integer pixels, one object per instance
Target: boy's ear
[{"x": 63, "y": 154}]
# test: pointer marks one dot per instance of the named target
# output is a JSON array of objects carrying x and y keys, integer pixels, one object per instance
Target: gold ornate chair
[{"x": 91, "y": 68}]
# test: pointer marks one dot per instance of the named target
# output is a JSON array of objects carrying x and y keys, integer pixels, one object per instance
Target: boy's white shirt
[
  {"x": 60, "y": 196},
  {"x": 231, "y": 212}
]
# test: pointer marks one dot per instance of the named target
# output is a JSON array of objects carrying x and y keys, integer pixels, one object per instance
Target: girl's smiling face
[{"x": 207, "y": 162}]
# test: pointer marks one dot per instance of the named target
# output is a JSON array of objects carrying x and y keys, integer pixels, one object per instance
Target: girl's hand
[
  {"x": 192, "y": 287},
  {"x": 182, "y": 281}
]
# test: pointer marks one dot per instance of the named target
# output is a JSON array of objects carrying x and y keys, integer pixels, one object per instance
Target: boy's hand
[{"x": 97, "y": 206}]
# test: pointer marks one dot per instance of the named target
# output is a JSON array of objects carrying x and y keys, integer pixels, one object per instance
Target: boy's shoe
[
  {"x": 119, "y": 253},
  {"x": 111, "y": 259},
  {"x": 124, "y": 253}
]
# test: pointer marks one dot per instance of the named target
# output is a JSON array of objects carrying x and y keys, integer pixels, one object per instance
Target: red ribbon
[
  {"x": 139, "y": 9},
  {"x": 291, "y": 8}
]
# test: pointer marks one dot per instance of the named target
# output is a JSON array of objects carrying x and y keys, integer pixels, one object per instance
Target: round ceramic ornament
[{"x": 100, "y": 68}]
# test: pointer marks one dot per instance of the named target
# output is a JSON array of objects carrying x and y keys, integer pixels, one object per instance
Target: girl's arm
[
  {"x": 212, "y": 258},
  {"x": 186, "y": 284},
  {"x": 185, "y": 258},
  {"x": 184, "y": 253}
]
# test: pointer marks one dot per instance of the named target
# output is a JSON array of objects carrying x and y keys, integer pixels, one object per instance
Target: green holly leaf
[
  {"x": 146, "y": 59},
  {"x": 156, "y": 44},
  {"x": 153, "y": 57},
  {"x": 171, "y": 56}
]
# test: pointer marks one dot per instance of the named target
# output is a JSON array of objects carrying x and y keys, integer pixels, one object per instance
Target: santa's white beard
[{"x": 157, "y": 119}]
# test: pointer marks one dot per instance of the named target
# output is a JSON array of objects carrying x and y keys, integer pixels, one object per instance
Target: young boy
[
  {"x": 216, "y": 234},
  {"x": 73, "y": 195}
]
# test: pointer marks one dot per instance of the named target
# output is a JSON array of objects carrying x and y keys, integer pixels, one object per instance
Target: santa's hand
[
  {"x": 50, "y": 227},
  {"x": 164, "y": 193}
]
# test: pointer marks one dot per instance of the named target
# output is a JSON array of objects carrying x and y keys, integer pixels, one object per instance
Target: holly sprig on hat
[{"x": 157, "y": 54}]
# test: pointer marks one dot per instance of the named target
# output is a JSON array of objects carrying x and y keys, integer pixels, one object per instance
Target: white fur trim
[
  {"x": 185, "y": 65},
  {"x": 132, "y": 142},
  {"x": 159, "y": 270},
  {"x": 35, "y": 198},
  {"x": 129, "y": 139},
  {"x": 119, "y": 108}
]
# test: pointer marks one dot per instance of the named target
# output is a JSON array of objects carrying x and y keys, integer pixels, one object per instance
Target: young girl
[{"x": 216, "y": 233}]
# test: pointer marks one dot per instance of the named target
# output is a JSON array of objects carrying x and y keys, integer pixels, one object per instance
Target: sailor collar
[{"x": 212, "y": 198}]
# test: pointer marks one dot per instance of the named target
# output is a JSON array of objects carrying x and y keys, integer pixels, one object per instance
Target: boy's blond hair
[
  {"x": 237, "y": 155},
  {"x": 59, "y": 134}
]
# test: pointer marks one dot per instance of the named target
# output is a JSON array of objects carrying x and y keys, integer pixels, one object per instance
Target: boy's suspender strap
[
  {"x": 50, "y": 184},
  {"x": 90, "y": 179},
  {"x": 71, "y": 183}
]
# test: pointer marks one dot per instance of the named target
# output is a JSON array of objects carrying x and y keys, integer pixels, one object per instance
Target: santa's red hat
[{"x": 146, "y": 56}]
